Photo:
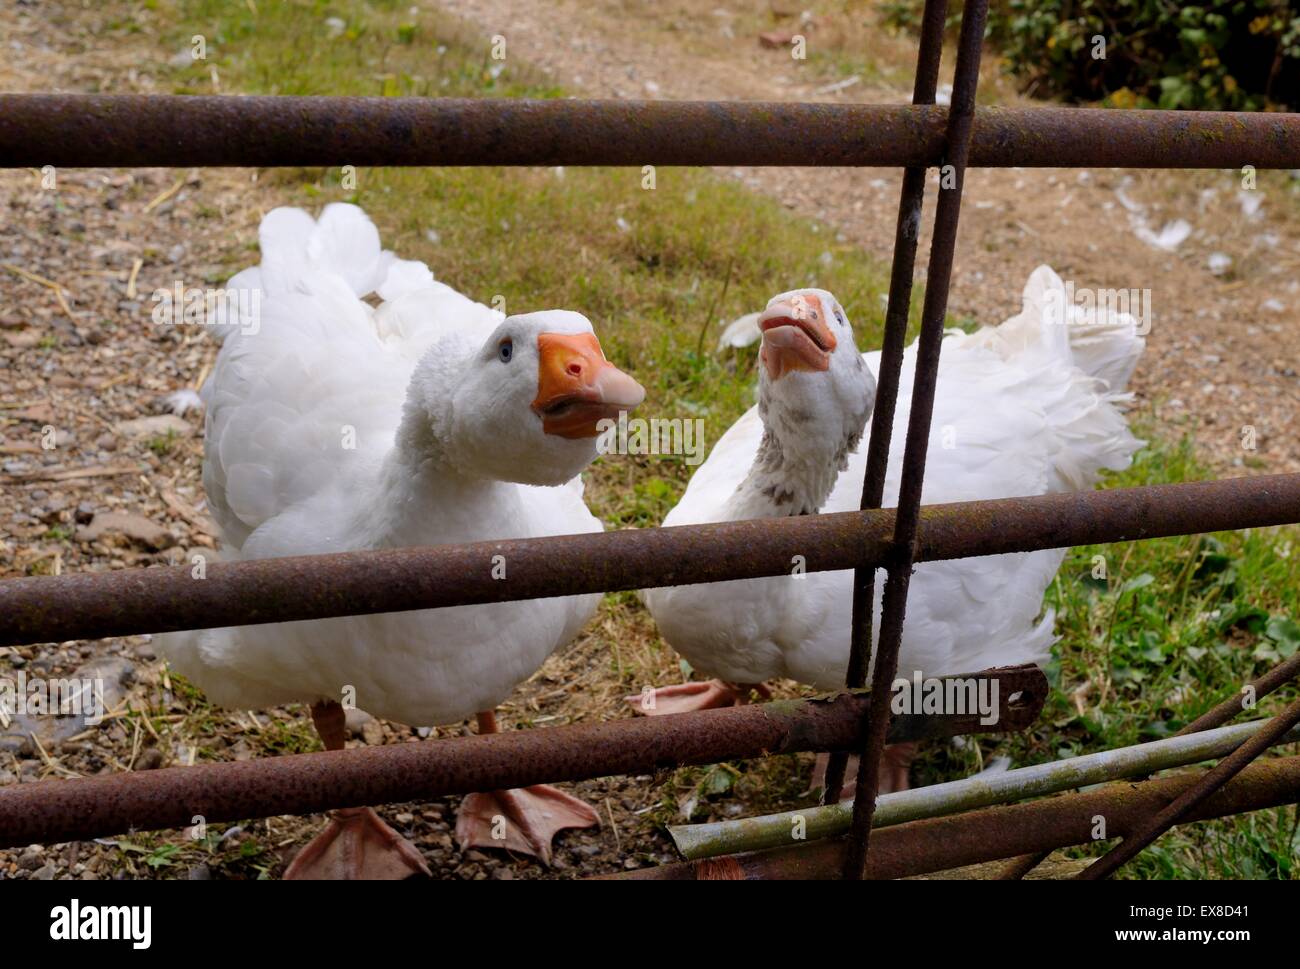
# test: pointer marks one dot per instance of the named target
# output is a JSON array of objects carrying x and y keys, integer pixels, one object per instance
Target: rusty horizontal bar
[
  {"x": 938, "y": 844},
  {"x": 126, "y": 130},
  {"x": 91, "y": 605},
  {"x": 55, "y": 811}
]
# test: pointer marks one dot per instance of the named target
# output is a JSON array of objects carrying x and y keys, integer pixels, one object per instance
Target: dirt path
[{"x": 1224, "y": 350}]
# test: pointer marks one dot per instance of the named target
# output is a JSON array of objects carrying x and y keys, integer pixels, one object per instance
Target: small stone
[
  {"x": 356, "y": 719},
  {"x": 372, "y": 732},
  {"x": 37, "y": 414},
  {"x": 46, "y": 873},
  {"x": 158, "y": 426},
  {"x": 199, "y": 873},
  {"x": 127, "y": 528},
  {"x": 53, "y": 509},
  {"x": 22, "y": 339},
  {"x": 107, "y": 678},
  {"x": 32, "y": 857},
  {"x": 773, "y": 39}
]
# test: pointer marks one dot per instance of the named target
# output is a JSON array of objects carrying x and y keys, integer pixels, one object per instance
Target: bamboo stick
[{"x": 696, "y": 841}]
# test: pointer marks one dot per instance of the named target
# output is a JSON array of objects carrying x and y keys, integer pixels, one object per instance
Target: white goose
[
  {"x": 332, "y": 426},
  {"x": 1025, "y": 408}
]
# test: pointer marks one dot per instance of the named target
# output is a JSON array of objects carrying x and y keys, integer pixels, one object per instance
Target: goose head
[
  {"x": 815, "y": 393},
  {"x": 524, "y": 406}
]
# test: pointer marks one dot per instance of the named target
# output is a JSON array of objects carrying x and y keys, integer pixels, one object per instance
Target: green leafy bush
[{"x": 1237, "y": 55}]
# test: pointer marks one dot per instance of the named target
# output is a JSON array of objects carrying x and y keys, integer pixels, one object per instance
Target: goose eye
[
  {"x": 839, "y": 315},
  {"x": 506, "y": 350}
]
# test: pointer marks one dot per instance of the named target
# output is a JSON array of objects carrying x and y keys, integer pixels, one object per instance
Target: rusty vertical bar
[
  {"x": 1157, "y": 824},
  {"x": 947, "y": 213},
  {"x": 906, "y": 233},
  {"x": 1218, "y": 715}
]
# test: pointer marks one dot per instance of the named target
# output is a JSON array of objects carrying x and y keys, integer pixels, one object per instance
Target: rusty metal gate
[{"x": 107, "y": 130}]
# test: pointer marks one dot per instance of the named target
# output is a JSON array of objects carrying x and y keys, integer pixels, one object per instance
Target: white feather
[
  {"x": 183, "y": 401},
  {"x": 741, "y": 332}
]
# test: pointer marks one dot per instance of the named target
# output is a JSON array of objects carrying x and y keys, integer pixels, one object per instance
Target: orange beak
[
  {"x": 796, "y": 336},
  {"x": 577, "y": 387}
]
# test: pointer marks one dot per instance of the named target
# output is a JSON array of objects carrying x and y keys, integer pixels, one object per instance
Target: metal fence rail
[
  {"x": 107, "y": 130},
  {"x": 126, "y": 130},
  {"x": 92, "y": 605},
  {"x": 53, "y": 811}
]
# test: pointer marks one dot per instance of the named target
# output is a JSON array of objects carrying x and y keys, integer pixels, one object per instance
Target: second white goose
[{"x": 1025, "y": 408}]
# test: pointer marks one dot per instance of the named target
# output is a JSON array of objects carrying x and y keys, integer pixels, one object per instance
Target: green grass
[
  {"x": 163, "y": 444},
  {"x": 1175, "y": 625},
  {"x": 1178, "y": 625}
]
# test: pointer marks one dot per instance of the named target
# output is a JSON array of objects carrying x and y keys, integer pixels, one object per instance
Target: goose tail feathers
[
  {"x": 1085, "y": 345},
  {"x": 301, "y": 254}
]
